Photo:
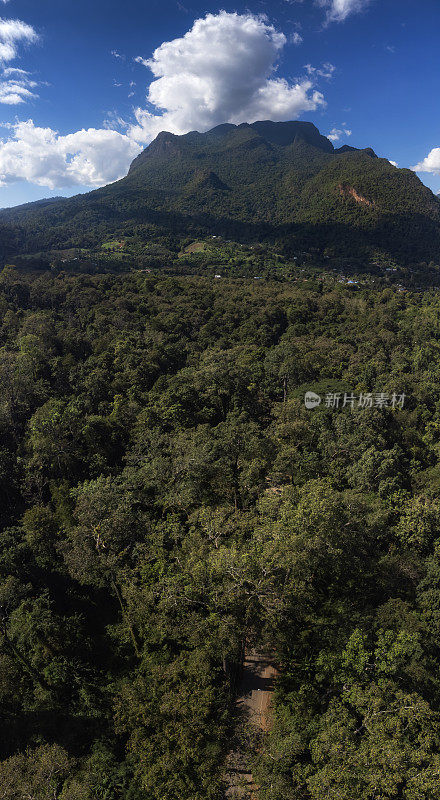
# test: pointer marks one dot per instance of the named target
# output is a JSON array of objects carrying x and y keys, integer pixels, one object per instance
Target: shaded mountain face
[{"x": 278, "y": 181}]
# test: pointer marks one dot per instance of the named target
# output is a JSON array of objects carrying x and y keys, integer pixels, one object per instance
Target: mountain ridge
[{"x": 277, "y": 181}]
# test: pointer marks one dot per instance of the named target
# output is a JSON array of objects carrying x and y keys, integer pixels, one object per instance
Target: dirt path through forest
[{"x": 255, "y": 694}]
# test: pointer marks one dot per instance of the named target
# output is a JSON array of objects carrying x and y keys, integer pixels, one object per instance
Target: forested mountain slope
[{"x": 280, "y": 182}]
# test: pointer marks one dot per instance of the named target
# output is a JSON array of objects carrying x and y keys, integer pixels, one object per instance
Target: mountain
[
  {"x": 276, "y": 181},
  {"x": 45, "y": 201}
]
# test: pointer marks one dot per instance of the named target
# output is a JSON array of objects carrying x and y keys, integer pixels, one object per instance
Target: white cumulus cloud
[
  {"x": 339, "y": 10},
  {"x": 40, "y": 155},
  {"x": 222, "y": 70},
  {"x": 431, "y": 163}
]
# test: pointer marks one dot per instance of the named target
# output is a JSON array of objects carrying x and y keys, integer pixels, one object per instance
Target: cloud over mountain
[
  {"x": 222, "y": 70},
  {"x": 336, "y": 133}
]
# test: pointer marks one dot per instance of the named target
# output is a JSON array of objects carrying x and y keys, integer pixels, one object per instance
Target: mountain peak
[
  {"x": 165, "y": 144},
  {"x": 347, "y": 148},
  {"x": 285, "y": 133},
  {"x": 278, "y": 134}
]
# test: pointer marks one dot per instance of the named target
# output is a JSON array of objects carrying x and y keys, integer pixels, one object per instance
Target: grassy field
[
  {"x": 195, "y": 247},
  {"x": 112, "y": 245}
]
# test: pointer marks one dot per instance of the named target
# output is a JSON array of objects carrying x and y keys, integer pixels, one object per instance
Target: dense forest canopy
[{"x": 166, "y": 494}]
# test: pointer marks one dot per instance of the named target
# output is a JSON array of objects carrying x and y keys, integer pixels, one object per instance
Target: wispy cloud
[
  {"x": 326, "y": 70},
  {"x": 340, "y": 10},
  {"x": 336, "y": 133},
  {"x": 16, "y": 85},
  {"x": 13, "y": 32},
  {"x": 14, "y": 92}
]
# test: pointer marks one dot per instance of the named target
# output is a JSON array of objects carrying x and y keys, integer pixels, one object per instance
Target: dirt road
[
  {"x": 254, "y": 701},
  {"x": 256, "y": 688}
]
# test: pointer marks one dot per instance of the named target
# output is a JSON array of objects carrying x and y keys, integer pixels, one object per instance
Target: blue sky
[{"x": 85, "y": 85}]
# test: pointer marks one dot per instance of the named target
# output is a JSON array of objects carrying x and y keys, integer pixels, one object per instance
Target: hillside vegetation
[
  {"x": 280, "y": 183},
  {"x": 165, "y": 494}
]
